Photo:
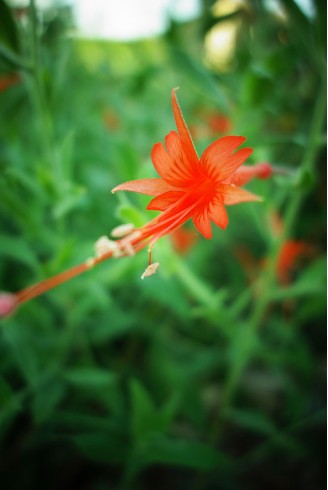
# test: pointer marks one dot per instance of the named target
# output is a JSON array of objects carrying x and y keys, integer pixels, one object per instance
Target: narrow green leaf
[
  {"x": 19, "y": 250},
  {"x": 202, "y": 77},
  {"x": 143, "y": 410},
  {"x": 188, "y": 454},
  {"x": 71, "y": 200},
  {"x": 80, "y": 422},
  {"x": 249, "y": 419},
  {"x": 90, "y": 377},
  {"x": 312, "y": 282},
  {"x": 130, "y": 214},
  {"x": 46, "y": 400},
  {"x": 105, "y": 448},
  {"x": 8, "y": 28}
]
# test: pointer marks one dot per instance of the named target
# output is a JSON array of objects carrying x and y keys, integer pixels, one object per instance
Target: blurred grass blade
[
  {"x": 20, "y": 251},
  {"x": 189, "y": 454},
  {"x": 203, "y": 78},
  {"x": 8, "y": 28}
]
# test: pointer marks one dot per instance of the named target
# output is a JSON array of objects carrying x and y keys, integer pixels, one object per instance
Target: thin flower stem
[
  {"x": 41, "y": 287},
  {"x": 132, "y": 243}
]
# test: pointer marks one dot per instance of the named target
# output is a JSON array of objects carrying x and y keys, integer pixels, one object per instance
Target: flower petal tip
[{"x": 117, "y": 188}]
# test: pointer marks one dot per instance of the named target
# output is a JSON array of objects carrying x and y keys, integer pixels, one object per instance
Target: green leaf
[
  {"x": 202, "y": 77},
  {"x": 300, "y": 23},
  {"x": 10, "y": 61},
  {"x": 188, "y": 454},
  {"x": 16, "y": 249},
  {"x": 198, "y": 288},
  {"x": 66, "y": 153},
  {"x": 90, "y": 377},
  {"x": 144, "y": 415},
  {"x": 312, "y": 282},
  {"x": 46, "y": 400},
  {"x": 252, "y": 420},
  {"x": 148, "y": 421},
  {"x": 304, "y": 180},
  {"x": 15, "y": 176},
  {"x": 8, "y": 28},
  {"x": 71, "y": 200},
  {"x": 315, "y": 273},
  {"x": 80, "y": 422},
  {"x": 244, "y": 345},
  {"x": 297, "y": 290},
  {"x": 130, "y": 214},
  {"x": 107, "y": 448},
  {"x": 21, "y": 346},
  {"x": 11, "y": 405}
]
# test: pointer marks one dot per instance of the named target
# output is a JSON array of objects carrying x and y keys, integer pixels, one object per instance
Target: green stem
[
  {"x": 268, "y": 279},
  {"x": 269, "y": 276},
  {"x": 13, "y": 59},
  {"x": 195, "y": 286},
  {"x": 46, "y": 124}
]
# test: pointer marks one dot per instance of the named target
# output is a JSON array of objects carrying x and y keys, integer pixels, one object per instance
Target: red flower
[
  {"x": 192, "y": 187},
  {"x": 211, "y": 124},
  {"x": 289, "y": 255},
  {"x": 219, "y": 123},
  {"x": 183, "y": 240},
  {"x": 188, "y": 187},
  {"x": 7, "y": 81}
]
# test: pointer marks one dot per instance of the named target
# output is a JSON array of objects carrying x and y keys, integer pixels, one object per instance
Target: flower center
[{"x": 205, "y": 189}]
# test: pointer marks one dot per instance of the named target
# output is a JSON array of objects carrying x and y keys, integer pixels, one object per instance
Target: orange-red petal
[
  {"x": 173, "y": 144},
  {"x": 230, "y": 165},
  {"x": 245, "y": 173},
  {"x": 151, "y": 187},
  {"x": 203, "y": 224},
  {"x": 186, "y": 140},
  {"x": 162, "y": 202},
  {"x": 172, "y": 165},
  {"x": 221, "y": 148},
  {"x": 289, "y": 253},
  {"x": 218, "y": 213},
  {"x": 219, "y": 161},
  {"x": 183, "y": 239},
  {"x": 235, "y": 195},
  {"x": 214, "y": 211}
]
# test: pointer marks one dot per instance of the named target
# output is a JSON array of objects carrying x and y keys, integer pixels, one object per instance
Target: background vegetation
[{"x": 211, "y": 374}]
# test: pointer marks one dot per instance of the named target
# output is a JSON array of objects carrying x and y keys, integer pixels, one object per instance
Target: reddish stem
[{"x": 54, "y": 281}]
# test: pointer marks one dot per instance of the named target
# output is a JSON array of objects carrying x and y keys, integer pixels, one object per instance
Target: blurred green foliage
[{"x": 211, "y": 373}]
